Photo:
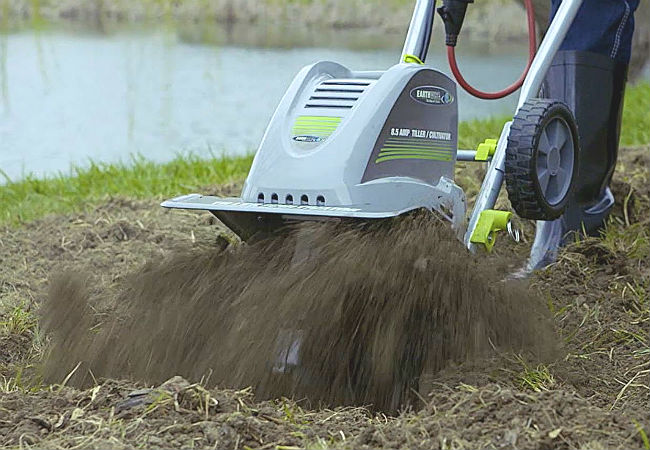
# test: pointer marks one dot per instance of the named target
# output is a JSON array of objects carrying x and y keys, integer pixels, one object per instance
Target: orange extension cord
[{"x": 532, "y": 49}]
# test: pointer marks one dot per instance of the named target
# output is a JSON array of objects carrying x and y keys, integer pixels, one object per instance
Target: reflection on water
[{"x": 71, "y": 95}]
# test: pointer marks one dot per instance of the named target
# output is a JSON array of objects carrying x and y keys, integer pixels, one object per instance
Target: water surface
[{"x": 73, "y": 94}]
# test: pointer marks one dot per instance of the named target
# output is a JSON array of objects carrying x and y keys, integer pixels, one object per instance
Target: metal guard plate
[{"x": 210, "y": 203}]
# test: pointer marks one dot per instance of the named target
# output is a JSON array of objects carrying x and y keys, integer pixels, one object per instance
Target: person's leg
[
  {"x": 589, "y": 75},
  {"x": 601, "y": 26}
]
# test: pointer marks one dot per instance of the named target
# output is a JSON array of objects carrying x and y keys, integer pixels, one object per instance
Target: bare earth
[{"x": 592, "y": 391}]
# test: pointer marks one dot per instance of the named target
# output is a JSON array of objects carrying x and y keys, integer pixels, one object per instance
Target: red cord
[{"x": 532, "y": 49}]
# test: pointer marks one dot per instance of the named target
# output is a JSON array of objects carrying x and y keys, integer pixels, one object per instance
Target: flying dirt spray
[{"x": 372, "y": 308}]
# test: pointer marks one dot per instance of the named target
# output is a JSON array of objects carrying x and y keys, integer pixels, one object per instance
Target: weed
[
  {"x": 537, "y": 379},
  {"x": 642, "y": 433},
  {"x": 19, "y": 321},
  {"x": 21, "y": 383},
  {"x": 632, "y": 241},
  {"x": 289, "y": 413}
]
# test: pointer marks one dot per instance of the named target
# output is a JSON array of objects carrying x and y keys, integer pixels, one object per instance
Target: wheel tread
[{"x": 520, "y": 161}]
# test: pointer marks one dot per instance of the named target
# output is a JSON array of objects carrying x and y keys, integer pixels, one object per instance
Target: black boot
[{"x": 592, "y": 85}]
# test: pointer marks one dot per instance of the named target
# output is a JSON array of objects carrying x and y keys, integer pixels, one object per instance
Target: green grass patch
[
  {"x": 31, "y": 197},
  {"x": 636, "y": 116},
  {"x": 537, "y": 379},
  {"x": 473, "y": 132},
  {"x": 19, "y": 321}
]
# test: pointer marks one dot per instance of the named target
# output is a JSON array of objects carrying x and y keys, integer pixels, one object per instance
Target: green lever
[{"x": 489, "y": 223}]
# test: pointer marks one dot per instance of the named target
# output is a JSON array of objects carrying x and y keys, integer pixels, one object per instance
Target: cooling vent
[{"x": 337, "y": 93}]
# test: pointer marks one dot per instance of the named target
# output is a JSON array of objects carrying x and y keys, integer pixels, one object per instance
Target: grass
[
  {"x": 644, "y": 436},
  {"x": 30, "y": 198},
  {"x": 636, "y": 116},
  {"x": 20, "y": 320},
  {"x": 537, "y": 379}
]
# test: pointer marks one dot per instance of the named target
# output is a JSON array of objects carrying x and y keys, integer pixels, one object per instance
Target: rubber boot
[{"x": 592, "y": 85}]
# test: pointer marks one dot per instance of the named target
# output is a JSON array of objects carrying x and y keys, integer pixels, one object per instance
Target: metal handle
[
  {"x": 493, "y": 180},
  {"x": 419, "y": 34},
  {"x": 555, "y": 34}
]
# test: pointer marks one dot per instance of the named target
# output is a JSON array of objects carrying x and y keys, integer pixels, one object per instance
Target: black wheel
[{"x": 542, "y": 159}]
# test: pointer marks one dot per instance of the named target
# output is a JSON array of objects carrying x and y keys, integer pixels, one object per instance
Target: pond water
[{"x": 69, "y": 95}]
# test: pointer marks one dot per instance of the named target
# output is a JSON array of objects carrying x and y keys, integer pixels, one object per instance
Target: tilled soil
[
  {"x": 505, "y": 392},
  {"x": 366, "y": 308}
]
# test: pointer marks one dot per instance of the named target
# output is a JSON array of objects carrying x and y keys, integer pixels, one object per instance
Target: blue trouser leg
[
  {"x": 589, "y": 74},
  {"x": 602, "y": 26}
]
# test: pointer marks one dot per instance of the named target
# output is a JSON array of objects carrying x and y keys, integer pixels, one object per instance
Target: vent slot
[
  {"x": 345, "y": 83},
  {"x": 313, "y": 105},
  {"x": 322, "y": 97},
  {"x": 338, "y": 93},
  {"x": 351, "y": 91}
]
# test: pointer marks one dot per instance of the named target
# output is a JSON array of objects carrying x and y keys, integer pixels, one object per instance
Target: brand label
[
  {"x": 431, "y": 95},
  {"x": 305, "y": 138}
]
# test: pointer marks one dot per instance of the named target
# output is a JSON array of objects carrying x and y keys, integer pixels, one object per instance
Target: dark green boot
[{"x": 592, "y": 85}]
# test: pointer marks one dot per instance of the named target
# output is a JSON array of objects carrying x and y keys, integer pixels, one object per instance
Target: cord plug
[{"x": 452, "y": 13}]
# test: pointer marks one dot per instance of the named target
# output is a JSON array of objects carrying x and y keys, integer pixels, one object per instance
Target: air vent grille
[{"x": 337, "y": 94}]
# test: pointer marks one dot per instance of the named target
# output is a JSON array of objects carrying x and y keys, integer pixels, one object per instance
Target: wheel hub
[{"x": 553, "y": 160}]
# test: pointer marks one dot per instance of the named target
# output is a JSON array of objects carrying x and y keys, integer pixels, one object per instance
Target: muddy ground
[{"x": 593, "y": 393}]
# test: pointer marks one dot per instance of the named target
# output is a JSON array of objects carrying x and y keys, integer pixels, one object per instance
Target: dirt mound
[{"x": 366, "y": 309}]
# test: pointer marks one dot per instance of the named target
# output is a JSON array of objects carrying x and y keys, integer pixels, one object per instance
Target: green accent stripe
[
  {"x": 413, "y": 145},
  {"x": 315, "y": 124},
  {"x": 428, "y": 157},
  {"x": 313, "y": 133},
  {"x": 395, "y": 146},
  {"x": 383, "y": 154},
  {"x": 415, "y": 150},
  {"x": 312, "y": 130},
  {"x": 321, "y": 126}
]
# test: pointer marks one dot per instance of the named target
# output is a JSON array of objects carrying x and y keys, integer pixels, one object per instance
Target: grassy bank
[
  {"x": 83, "y": 188},
  {"x": 379, "y": 14}
]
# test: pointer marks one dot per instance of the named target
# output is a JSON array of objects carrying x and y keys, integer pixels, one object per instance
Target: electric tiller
[{"x": 364, "y": 145}]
